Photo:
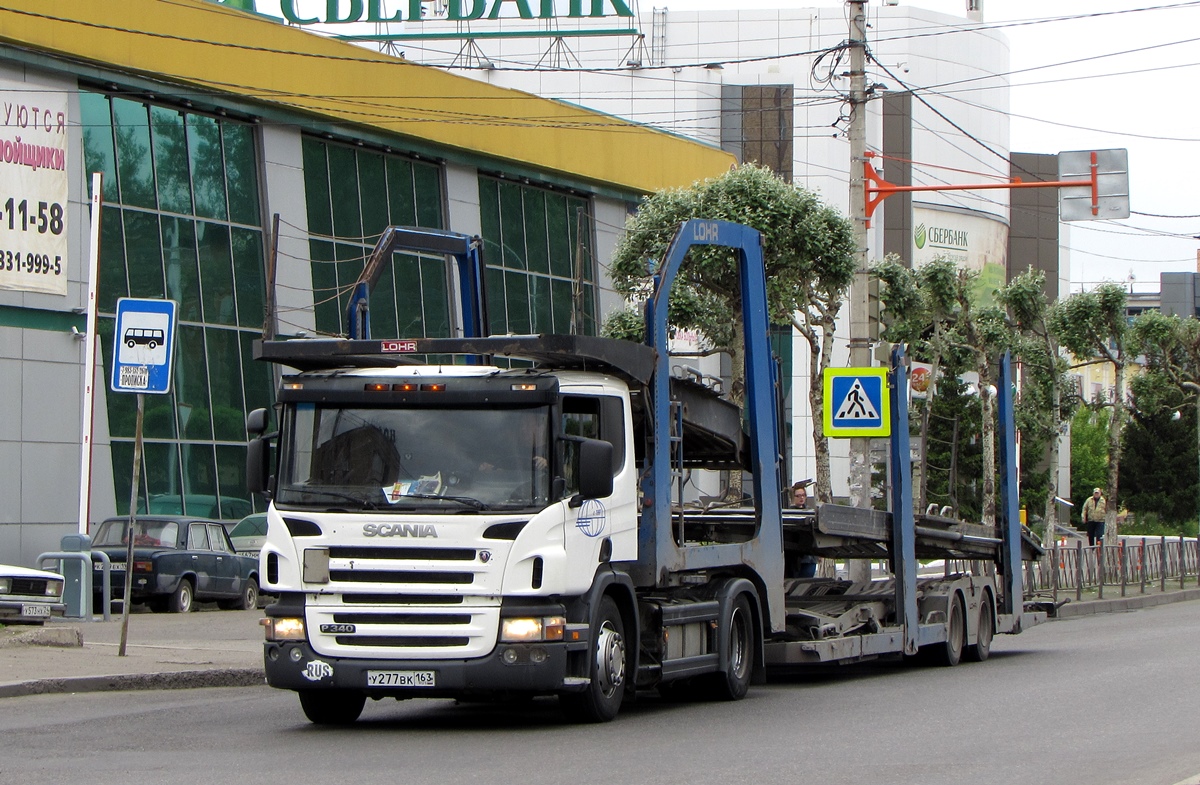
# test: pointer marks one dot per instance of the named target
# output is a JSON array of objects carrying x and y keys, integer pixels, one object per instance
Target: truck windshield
[{"x": 451, "y": 459}]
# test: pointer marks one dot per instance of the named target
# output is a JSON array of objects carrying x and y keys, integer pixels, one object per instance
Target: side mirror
[
  {"x": 595, "y": 470},
  {"x": 258, "y": 471},
  {"x": 256, "y": 422}
]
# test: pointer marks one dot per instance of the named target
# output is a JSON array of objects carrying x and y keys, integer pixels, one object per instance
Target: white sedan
[{"x": 29, "y": 596}]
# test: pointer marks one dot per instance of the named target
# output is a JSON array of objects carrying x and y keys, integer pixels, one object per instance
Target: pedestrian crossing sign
[{"x": 856, "y": 402}]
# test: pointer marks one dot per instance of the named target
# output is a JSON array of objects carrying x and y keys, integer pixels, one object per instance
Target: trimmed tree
[
  {"x": 808, "y": 251},
  {"x": 1092, "y": 326}
]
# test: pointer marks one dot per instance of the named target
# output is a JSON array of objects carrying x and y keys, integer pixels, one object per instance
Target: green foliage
[
  {"x": 1089, "y": 456},
  {"x": 808, "y": 251},
  {"x": 1090, "y": 324},
  {"x": 1159, "y": 474},
  {"x": 1150, "y": 525}
]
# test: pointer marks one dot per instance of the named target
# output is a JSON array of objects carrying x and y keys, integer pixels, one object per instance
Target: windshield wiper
[
  {"x": 366, "y": 503},
  {"x": 466, "y": 501}
]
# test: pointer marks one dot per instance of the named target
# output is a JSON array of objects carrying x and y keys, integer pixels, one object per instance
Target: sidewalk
[
  {"x": 212, "y": 648},
  {"x": 208, "y": 648}
]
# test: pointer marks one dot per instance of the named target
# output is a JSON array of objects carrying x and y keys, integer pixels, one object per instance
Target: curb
[
  {"x": 1128, "y": 603},
  {"x": 178, "y": 680}
]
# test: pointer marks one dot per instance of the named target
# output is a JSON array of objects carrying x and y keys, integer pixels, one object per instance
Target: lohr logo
[
  {"x": 399, "y": 530},
  {"x": 706, "y": 232},
  {"x": 397, "y": 346}
]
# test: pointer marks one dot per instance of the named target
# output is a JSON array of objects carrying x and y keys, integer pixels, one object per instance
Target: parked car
[
  {"x": 29, "y": 596},
  {"x": 177, "y": 561},
  {"x": 250, "y": 534}
]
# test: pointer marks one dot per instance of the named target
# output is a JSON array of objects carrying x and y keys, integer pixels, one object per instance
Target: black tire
[
  {"x": 153, "y": 345},
  {"x": 332, "y": 707},
  {"x": 129, "y": 344},
  {"x": 248, "y": 600},
  {"x": 949, "y": 653},
  {"x": 734, "y": 683},
  {"x": 982, "y": 647},
  {"x": 607, "y": 670},
  {"x": 183, "y": 599}
]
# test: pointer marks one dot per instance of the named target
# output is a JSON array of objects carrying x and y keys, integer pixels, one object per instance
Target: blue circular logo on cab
[{"x": 593, "y": 518}]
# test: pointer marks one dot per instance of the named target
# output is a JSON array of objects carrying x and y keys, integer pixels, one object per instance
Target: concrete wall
[{"x": 41, "y": 382}]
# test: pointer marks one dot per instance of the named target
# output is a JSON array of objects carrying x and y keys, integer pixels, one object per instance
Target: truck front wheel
[
  {"x": 601, "y": 701},
  {"x": 332, "y": 707}
]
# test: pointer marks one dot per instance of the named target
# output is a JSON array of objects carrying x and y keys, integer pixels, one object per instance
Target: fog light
[
  {"x": 517, "y": 630},
  {"x": 296, "y": 655},
  {"x": 284, "y": 629},
  {"x": 538, "y": 656},
  {"x": 509, "y": 656},
  {"x": 528, "y": 630}
]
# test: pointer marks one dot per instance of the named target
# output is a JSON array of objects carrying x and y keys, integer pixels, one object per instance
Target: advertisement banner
[
  {"x": 975, "y": 242},
  {"x": 33, "y": 189}
]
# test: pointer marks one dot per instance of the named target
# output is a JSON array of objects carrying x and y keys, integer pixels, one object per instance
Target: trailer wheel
[
  {"x": 734, "y": 683},
  {"x": 987, "y": 629},
  {"x": 601, "y": 701},
  {"x": 950, "y": 652},
  {"x": 332, "y": 707}
]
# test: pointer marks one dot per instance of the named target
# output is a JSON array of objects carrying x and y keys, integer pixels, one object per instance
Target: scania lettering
[
  {"x": 399, "y": 530},
  {"x": 464, "y": 529}
]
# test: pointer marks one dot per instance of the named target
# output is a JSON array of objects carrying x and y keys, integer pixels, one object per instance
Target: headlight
[
  {"x": 5, "y": 585},
  {"x": 528, "y": 630},
  {"x": 284, "y": 629},
  {"x": 54, "y": 588}
]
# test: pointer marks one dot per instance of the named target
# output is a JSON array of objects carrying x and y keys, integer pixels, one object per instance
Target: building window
[
  {"x": 353, "y": 194},
  {"x": 181, "y": 221},
  {"x": 537, "y": 245}
]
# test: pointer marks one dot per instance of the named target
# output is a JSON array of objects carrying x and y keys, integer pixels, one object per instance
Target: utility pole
[{"x": 860, "y": 343}]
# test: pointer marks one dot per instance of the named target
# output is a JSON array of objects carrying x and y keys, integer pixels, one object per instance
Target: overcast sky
[
  {"x": 1074, "y": 90},
  {"x": 1085, "y": 78}
]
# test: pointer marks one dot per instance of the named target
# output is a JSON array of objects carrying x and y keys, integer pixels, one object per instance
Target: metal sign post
[{"x": 145, "y": 345}]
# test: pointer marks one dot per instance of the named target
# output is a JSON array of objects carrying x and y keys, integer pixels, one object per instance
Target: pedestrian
[
  {"x": 805, "y": 565},
  {"x": 1093, "y": 516}
]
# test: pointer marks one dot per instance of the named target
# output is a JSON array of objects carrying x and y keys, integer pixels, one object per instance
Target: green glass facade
[
  {"x": 182, "y": 221},
  {"x": 352, "y": 195},
  {"x": 534, "y": 239}
]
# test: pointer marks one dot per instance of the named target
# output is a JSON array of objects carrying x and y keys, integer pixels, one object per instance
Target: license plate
[
  {"x": 401, "y": 679},
  {"x": 117, "y": 566},
  {"x": 35, "y": 611}
]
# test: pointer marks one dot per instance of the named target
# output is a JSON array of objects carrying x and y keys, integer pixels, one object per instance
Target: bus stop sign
[{"x": 144, "y": 346}]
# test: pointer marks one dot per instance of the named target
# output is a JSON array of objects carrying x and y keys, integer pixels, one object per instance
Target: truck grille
[
  {"x": 411, "y": 631},
  {"x": 399, "y": 576},
  {"x": 417, "y": 600}
]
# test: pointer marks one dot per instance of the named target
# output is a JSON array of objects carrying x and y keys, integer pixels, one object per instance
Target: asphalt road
[{"x": 1096, "y": 701}]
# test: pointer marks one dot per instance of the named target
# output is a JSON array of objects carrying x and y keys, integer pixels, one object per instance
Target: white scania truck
[{"x": 450, "y": 528}]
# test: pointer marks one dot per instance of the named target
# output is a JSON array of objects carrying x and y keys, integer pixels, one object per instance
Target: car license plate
[
  {"x": 401, "y": 679},
  {"x": 116, "y": 566},
  {"x": 35, "y": 611}
]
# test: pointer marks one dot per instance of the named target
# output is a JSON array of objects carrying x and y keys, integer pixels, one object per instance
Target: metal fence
[{"x": 1131, "y": 565}]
